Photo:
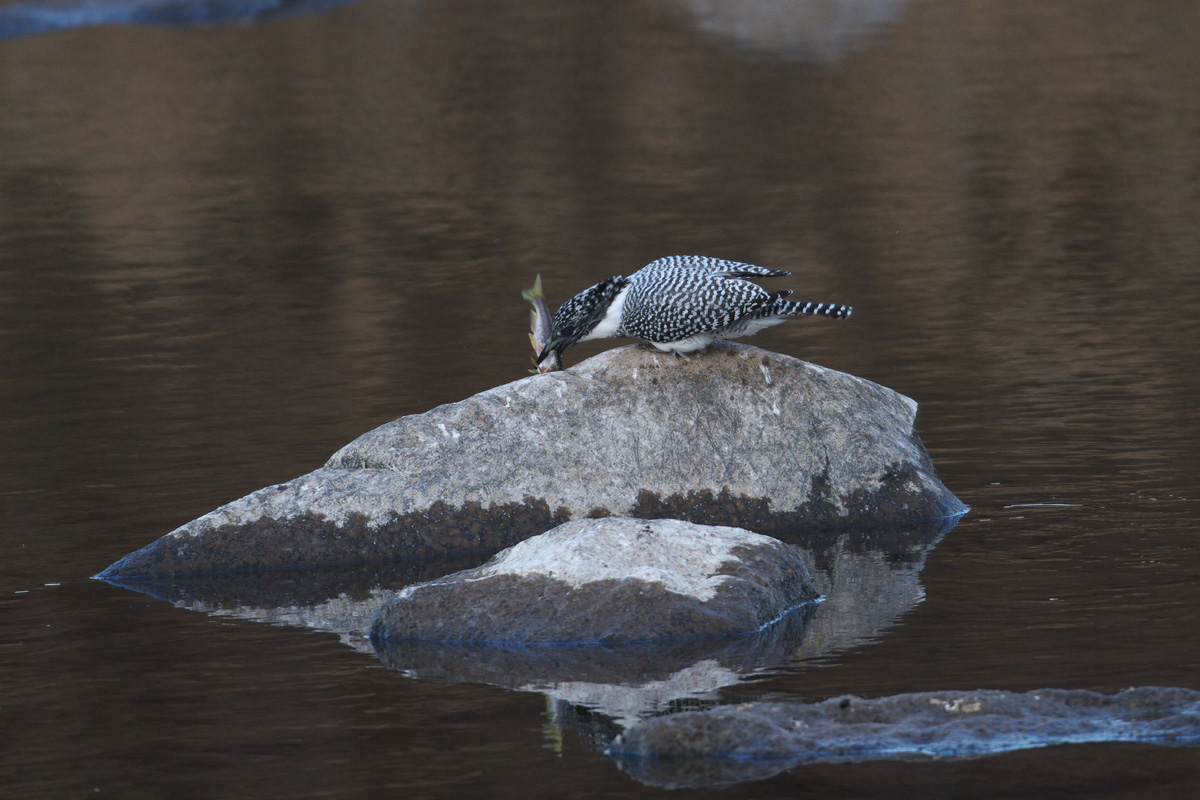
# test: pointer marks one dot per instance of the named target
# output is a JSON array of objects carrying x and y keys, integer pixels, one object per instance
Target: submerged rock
[
  {"x": 609, "y": 581},
  {"x": 870, "y": 578},
  {"x": 733, "y": 436},
  {"x": 756, "y": 740}
]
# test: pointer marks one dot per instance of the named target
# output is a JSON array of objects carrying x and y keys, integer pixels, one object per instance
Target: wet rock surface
[
  {"x": 870, "y": 578},
  {"x": 609, "y": 581},
  {"x": 735, "y": 435},
  {"x": 756, "y": 740}
]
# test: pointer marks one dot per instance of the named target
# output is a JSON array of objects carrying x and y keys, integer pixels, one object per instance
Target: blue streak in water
[{"x": 33, "y": 18}]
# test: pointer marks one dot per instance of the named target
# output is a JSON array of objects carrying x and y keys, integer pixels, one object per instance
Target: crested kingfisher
[{"x": 679, "y": 304}]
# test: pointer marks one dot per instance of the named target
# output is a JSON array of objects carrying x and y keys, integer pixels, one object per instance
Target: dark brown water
[{"x": 226, "y": 251}]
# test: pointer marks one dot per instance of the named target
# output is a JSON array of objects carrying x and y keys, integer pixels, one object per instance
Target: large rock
[
  {"x": 733, "y": 436},
  {"x": 755, "y": 740},
  {"x": 609, "y": 581}
]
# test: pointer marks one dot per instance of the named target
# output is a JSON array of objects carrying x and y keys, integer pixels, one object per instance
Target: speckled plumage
[{"x": 680, "y": 304}]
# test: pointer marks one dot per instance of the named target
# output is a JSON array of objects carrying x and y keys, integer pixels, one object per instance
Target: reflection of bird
[{"x": 679, "y": 304}]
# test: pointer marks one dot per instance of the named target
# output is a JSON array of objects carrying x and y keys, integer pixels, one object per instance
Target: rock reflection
[
  {"x": 870, "y": 578},
  {"x": 341, "y": 600},
  {"x": 623, "y": 682},
  {"x": 819, "y": 31}
]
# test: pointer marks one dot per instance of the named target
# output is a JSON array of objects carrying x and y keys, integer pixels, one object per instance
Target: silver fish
[{"x": 541, "y": 323}]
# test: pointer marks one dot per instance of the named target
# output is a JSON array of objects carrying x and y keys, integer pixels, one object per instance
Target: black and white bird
[{"x": 679, "y": 304}]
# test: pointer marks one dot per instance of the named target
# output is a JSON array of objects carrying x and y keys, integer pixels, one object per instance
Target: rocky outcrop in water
[
  {"x": 869, "y": 578},
  {"x": 609, "y": 581},
  {"x": 756, "y": 740},
  {"x": 733, "y": 436}
]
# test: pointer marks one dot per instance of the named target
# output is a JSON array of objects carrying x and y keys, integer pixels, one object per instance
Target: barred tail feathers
[
  {"x": 777, "y": 310},
  {"x": 800, "y": 308}
]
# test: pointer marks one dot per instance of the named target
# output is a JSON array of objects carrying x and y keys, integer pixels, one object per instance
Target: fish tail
[{"x": 535, "y": 292}]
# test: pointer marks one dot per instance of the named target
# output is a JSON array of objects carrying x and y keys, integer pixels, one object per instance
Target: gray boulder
[
  {"x": 609, "y": 581},
  {"x": 733, "y": 436}
]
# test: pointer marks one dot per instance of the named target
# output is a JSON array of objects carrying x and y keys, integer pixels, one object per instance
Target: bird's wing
[
  {"x": 669, "y": 302},
  {"x": 717, "y": 266}
]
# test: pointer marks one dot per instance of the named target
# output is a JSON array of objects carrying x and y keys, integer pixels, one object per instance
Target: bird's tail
[{"x": 799, "y": 308}]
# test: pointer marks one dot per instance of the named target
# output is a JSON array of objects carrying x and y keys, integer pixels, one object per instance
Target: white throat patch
[{"x": 611, "y": 324}]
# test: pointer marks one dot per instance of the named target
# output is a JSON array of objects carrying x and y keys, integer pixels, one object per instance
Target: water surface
[{"x": 227, "y": 250}]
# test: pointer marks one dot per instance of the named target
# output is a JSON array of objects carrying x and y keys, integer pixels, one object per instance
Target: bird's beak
[{"x": 556, "y": 344}]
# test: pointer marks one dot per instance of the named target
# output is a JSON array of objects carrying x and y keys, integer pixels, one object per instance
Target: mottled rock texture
[
  {"x": 755, "y": 740},
  {"x": 733, "y": 436},
  {"x": 609, "y": 581}
]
